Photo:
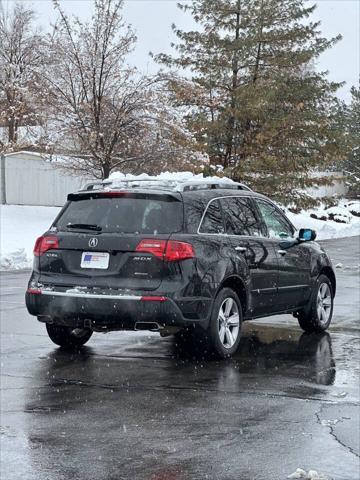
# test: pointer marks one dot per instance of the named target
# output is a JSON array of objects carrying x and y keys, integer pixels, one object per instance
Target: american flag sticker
[{"x": 95, "y": 260}]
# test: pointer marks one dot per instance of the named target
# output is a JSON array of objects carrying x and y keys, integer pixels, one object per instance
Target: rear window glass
[{"x": 149, "y": 215}]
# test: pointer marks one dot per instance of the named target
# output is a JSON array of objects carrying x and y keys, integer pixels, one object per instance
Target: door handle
[
  {"x": 241, "y": 249},
  {"x": 281, "y": 252}
]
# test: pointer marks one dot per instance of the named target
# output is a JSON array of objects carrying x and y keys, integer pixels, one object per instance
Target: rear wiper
[{"x": 84, "y": 226}]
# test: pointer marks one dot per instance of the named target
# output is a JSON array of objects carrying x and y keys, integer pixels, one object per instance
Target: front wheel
[
  {"x": 68, "y": 337},
  {"x": 223, "y": 334},
  {"x": 317, "y": 316}
]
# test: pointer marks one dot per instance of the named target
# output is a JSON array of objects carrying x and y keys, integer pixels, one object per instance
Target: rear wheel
[
  {"x": 67, "y": 336},
  {"x": 223, "y": 334},
  {"x": 317, "y": 316}
]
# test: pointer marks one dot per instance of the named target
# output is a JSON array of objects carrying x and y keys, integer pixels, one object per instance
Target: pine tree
[
  {"x": 352, "y": 128},
  {"x": 255, "y": 100}
]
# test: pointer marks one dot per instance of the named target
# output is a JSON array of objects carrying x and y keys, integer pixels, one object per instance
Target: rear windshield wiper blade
[{"x": 84, "y": 226}]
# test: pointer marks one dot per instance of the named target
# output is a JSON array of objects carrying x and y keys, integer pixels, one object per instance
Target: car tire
[
  {"x": 222, "y": 336},
  {"x": 68, "y": 337},
  {"x": 316, "y": 317}
]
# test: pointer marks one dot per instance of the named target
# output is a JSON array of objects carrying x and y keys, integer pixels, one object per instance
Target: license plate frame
[{"x": 95, "y": 260}]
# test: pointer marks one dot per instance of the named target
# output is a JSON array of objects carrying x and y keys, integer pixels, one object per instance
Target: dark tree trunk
[
  {"x": 247, "y": 123},
  {"x": 231, "y": 121},
  {"x": 12, "y": 131},
  {"x": 106, "y": 169}
]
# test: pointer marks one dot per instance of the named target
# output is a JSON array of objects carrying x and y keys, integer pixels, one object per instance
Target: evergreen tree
[
  {"x": 352, "y": 126},
  {"x": 255, "y": 101}
]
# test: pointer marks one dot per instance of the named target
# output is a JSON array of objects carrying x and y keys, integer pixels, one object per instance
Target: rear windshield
[{"x": 146, "y": 214}]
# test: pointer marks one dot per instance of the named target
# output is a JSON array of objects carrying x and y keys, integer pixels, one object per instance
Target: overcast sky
[{"x": 152, "y": 21}]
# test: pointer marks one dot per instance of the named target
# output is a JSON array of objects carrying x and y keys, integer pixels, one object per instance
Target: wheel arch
[
  {"x": 329, "y": 272},
  {"x": 237, "y": 284}
]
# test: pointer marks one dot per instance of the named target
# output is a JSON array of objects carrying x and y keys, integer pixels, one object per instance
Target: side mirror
[{"x": 307, "y": 235}]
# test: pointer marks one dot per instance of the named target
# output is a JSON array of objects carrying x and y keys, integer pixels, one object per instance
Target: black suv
[{"x": 168, "y": 257}]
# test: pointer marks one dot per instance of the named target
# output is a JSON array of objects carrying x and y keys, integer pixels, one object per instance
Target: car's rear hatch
[{"x": 94, "y": 243}]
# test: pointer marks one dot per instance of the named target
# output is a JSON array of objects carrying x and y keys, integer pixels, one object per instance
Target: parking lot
[{"x": 137, "y": 406}]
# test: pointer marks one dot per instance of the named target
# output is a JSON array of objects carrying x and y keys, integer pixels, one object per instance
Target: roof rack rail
[
  {"x": 91, "y": 186},
  {"x": 131, "y": 183},
  {"x": 212, "y": 185},
  {"x": 166, "y": 184}
]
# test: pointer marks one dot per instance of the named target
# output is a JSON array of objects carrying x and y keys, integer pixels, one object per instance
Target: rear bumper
[{"x": 112, "y": 311}]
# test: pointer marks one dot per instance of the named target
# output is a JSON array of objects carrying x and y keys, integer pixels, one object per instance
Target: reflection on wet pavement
[
  {"x": 131, "y": 409},
  {"x": 135, "y": 406}
]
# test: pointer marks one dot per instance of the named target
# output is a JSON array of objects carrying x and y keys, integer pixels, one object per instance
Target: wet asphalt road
[{"x": 135, "y": 406}]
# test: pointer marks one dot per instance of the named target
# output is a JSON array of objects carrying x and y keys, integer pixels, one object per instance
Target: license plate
[{"x": 95, "y": 260}]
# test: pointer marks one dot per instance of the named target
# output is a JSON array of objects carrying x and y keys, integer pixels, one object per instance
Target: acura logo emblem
[{"x": 93, "y": 242}]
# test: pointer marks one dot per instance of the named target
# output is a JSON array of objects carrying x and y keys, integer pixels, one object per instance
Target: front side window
[
  {"x": 241, "y": 217},
  {"x": 276, "y": 224},
  {"x": 212, "y": 221}
]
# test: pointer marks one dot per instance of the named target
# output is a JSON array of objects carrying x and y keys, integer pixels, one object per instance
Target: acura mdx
[{"x": 195, "y": 257}]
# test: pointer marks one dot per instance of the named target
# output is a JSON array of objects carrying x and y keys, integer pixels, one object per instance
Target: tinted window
[
  {"x": 276, "y": 224},
  {"x": 212, "y": 221},
  {"x": 194, "y": 210},
  {"x": 241, "y": 217},
  {"x": 126, "y": 215}
]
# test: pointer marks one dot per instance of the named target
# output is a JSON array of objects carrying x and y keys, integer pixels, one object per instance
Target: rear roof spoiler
[{"x": 117, "y": 193}]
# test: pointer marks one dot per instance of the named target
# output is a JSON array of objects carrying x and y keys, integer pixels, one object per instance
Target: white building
[{"x": 32, "y": 179}]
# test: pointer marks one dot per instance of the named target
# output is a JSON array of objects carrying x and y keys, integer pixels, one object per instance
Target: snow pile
[
  {"x": 333, "y": 222},
  {"x": 339, "y": 214},
  {"x": 16, "y": 260},
  {"x": 19, "y": 228},
  {"x": 175, "y": 178},
  {"x": 329, "y": 423},
  {"x": 310, "y": 475},
  {"x": 353, "y": 207}
]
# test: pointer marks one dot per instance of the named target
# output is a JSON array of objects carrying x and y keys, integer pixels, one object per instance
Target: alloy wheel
[
  {"x": 228, "y": 322},
  {"x": 324, "y": 303}
]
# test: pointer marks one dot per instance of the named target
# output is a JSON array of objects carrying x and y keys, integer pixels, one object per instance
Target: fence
[
  {"x": 338, "y": 187},
  {"x": 32, "y": 180}
]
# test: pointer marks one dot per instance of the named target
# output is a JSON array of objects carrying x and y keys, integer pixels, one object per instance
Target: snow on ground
[
  {"x": 343, "y": 224},
  {"x": 21, "y": 225}
]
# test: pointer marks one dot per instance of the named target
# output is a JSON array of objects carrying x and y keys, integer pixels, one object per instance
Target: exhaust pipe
[
  {"x": 152, "y": 326},
  {"x": 45, "y": 319}
]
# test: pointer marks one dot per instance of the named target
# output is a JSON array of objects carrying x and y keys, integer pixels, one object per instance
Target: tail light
[
  {"x": 171, "y": 251},
  {"x": 112, "y": 194},
  {"x": 156, "y": 247},
  {"x": 176, "y": 251},
  {"x": 34, "y": 291},
  {"x": 43, "y": 244}
]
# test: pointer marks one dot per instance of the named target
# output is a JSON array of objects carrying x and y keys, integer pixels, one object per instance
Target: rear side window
[
  {"x": 241, "y": 217},
  {"x": 146, "y": 214},
  {"x": 213, "y": 220}
]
